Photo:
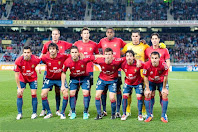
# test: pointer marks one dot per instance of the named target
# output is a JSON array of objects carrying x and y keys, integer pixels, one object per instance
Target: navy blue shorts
[
  {"x": 111, "y": 85},
  {"x": 156, "y": 86},
  {"x": 33, "y": 85},
  {"x": 50, "y": 83},
  {"x": 84, "y": 82},
  {"x": 128, "y": 88}
]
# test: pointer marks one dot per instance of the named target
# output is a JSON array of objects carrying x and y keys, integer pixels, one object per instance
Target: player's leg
[
  {"x": 139, "y": 93},
  {"x": 100, "y": 86},
  {"x": 86, "y": 89},
  {"x": 43, "y": 112},
  {"x": 126, "y": 92},
  {"x": 47, "y": 86},
  {"x": 128, "y": 109},
  {"x": 58, "y": 100},
  {"x": 164, "y": 117},
  {"x": 112, "y": 93},
  {"x": 104, "y": 100},
  {"x": 65, "y": 102},
  {"x": 119, "y": 95},
  {"x": 152, "y": 101},
  {"x": 74, "y": 84},
  {"x": 20, "y": 100},
  {"x": 143, "y": 106},
  {"x": 33, "y": 86},
  {"x": 147, "y": 102}
]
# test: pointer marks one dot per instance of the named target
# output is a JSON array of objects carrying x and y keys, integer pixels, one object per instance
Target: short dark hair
[
  {"x": 27, "y": 47},
  {"x": 136, "y": 31},
  {"x": 155, "y": 53},
  {"x": 111, "y": 29},
  {"x": 155, "y": 34},
  {"x": 108, "y": 50},
  {"x": 73, "y": 47},
  {"x": 52, "y": 45},
  {"x": 85, "y": 28},
  {"x": 131, "y": 51}
]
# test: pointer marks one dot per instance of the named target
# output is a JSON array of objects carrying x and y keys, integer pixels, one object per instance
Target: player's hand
[
  {"x": 82, "y": 56},
  {"x": 63, "y": 88},
  {"x": 147, "y": 93},
  {"x": 162, "y": 45},
  {"x": 39, "y": 69},
  {"x": 143, "y": 41},
  {"x": 164, "y": 91},
  {"x": 20, "y": 91},
  {"x": 138, "y": 64}
]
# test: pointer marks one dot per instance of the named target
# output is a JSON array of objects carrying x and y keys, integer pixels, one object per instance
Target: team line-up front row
[{"x": 155, "y": 74}]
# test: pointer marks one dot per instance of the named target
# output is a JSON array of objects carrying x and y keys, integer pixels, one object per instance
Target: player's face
[
  {"x": 85, "y": 35},
  {"x": 108, "y": 56},
  {"x": 155, "y": 60},
  {"x": 53, "y": 51},
  {"x": 135, "y": 38},
  {"x": 110, "y": 33},
  {"x": 74, "y": 54},
  {"x": 129, "y": 58},
  {"x": 155, "y": 40},
  {"x": 27, "y": 54},
  {"x": 55, "y": 35}
]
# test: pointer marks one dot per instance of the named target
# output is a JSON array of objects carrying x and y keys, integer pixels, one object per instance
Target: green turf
[{"x": 182, "y": 109}]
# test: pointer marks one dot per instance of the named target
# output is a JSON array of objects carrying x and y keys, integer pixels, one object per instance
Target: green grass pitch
[{"x": 182, "y": 109}]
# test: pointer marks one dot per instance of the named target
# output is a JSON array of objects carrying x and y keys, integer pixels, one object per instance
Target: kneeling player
[
  {"x": 25, "y": 73},
  {"x": 54, "y": 62},
  {"x": 133, "y": 79},
  {"x": 107, "y": 78},
  {"x": 156, "y": 75}
]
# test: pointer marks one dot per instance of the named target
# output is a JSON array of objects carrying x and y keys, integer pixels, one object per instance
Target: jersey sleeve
[
  {"x": 68, "y": 45},
  {"x": 122, "y": 43},
  {"x": 16, "y": 66},
  {"x": 145, "y": 70},
  {"x": 37, "y": 59},
  {"x": 146, "y": 54},
  {"x": 65, "y": 66},
  {"x": 166, "y": 54},
  {"x": 96, "y": 50},
  {"x": 165, "y": 73},
  {"x": 43, "y": 59},
  {"x": 97, "y": 61},
  {"x": 89, "y": 58},
  {"x": 124, "y": 50},
  {"x": 44, "y": 50},
  {"x": 99, "y": 45}
]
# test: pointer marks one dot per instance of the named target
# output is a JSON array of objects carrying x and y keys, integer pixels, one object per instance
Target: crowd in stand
[
  {"x": 2, "y": 10},
  {"x": 185, "y": 10}
]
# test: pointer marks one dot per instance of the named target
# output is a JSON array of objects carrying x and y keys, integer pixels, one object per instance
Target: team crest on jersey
[
  {"x": 125, "y": 70},
  {"x": 160, "y": 72},
  {"x": 61, "y": 47},
  {"x": 113, "y": 67},
  {"x": 49, "y": 64},
  {"x": 135, "y": 70},
  {"x": 103, "y": 67},
  {"x": 90, "y": 49},
  {"x": 33, "y": 66},
  {"x": 23, "y": 67},
  {"x": 82, "y": 66},
  {"x": 141, "y": 49},
  {"x": 73, "y": 68},
  {"x": 81, "y": 48},
  {"x": 59, "y": 62},
  {"x": 151, "y": 72},
  {"x": 115, "y": 45}
]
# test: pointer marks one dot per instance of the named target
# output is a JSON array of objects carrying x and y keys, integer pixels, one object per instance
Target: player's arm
[
  {"x": 99, "y": 56},
  {"x": 147, "y": 91},
  {"x": 19, "y": 90},
  {"x": 124, "y": 50},
  {"x": 63, "y": 78},
  {"x": 168, "y": 62},
  {"x": 164, "y": 89}
]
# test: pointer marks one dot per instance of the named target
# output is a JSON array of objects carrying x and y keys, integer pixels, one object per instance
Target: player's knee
[
  {"x": 138, "y": 95},
  {"x": 19, "y": 95},
  {"x": 112, "y": 100},
  {"x": 98, "y": 95},
  {"x": 164, "y": 96},
  {"x": 153, "y": 93},
  {"x": 111, "y": 97},
  {"x": 85, "y": 92},
  {"x": 72, "y": 93},
  {"x": 43, "y": 95}
]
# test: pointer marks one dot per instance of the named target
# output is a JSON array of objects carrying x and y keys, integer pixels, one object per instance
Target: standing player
[
  {"x": 164, "y": 56},
  {"x": 87, "y": 47},
  {"x": 138, "y": 47},
  {"x": 62, "y": 46},
  {"x": 115, "y": 44},
  {"x": 156, "y": 75},
  {"x": 134, "y": 80},
  {"x": 108, "y": 78},
  {"x": 54, "y": 62},
  {"x": 25, "y": 73},
  {"x": 78, "y": 77}
]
